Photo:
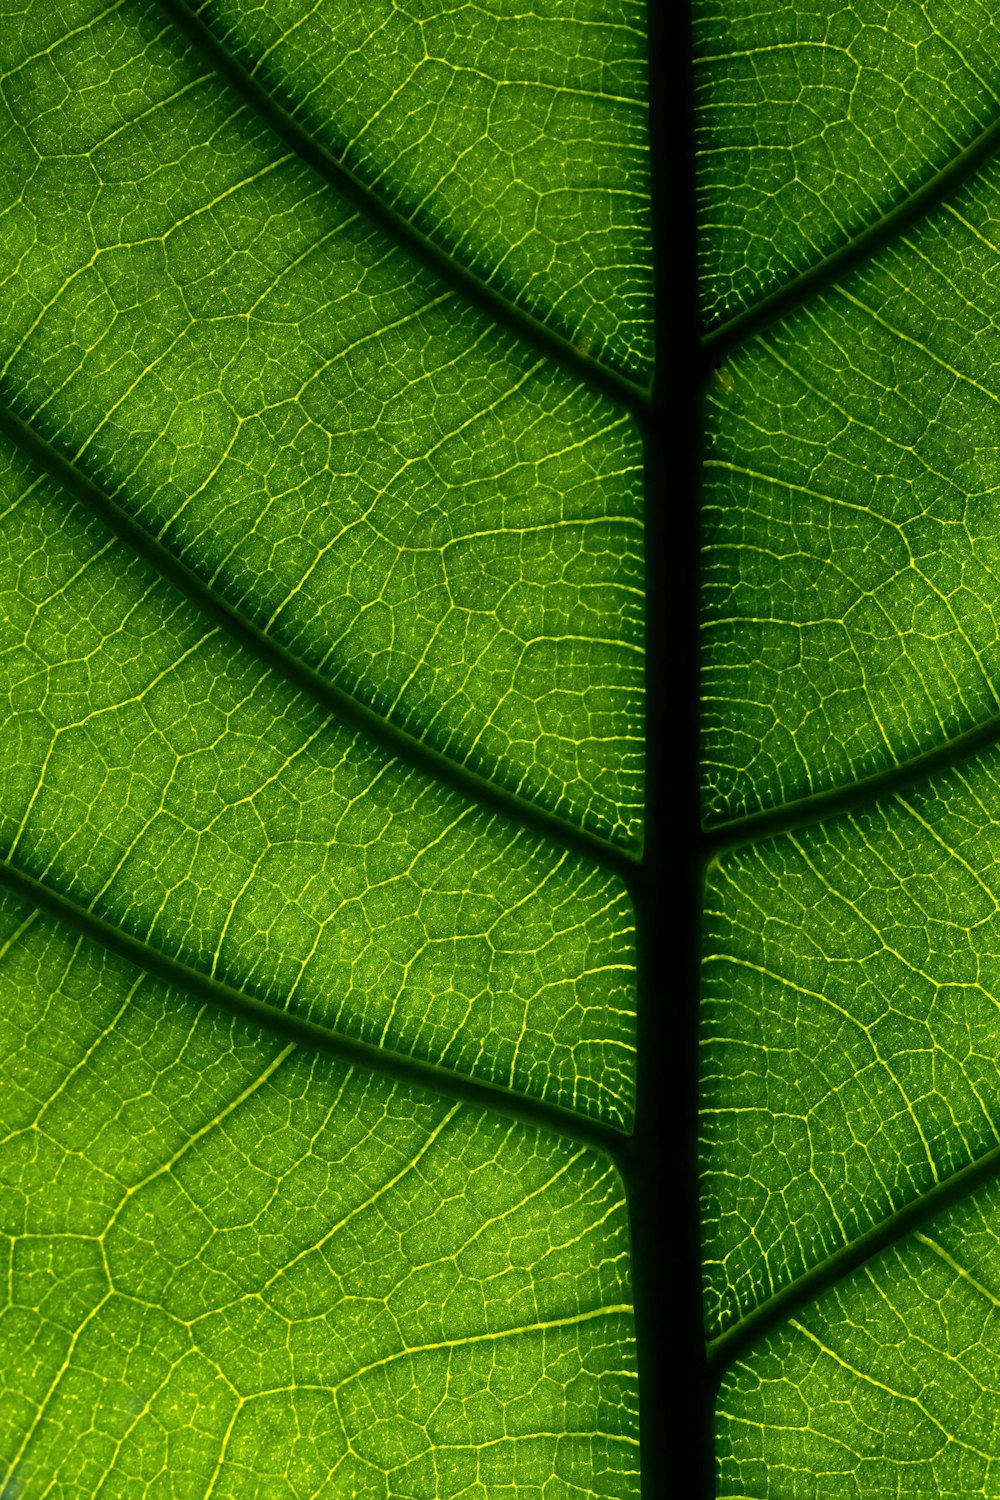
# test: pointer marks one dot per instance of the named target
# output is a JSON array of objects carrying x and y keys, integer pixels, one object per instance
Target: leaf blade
[
  {"x": 525, "y": 159},
  {"x": 188, "y": 1254},
  {"x": 385, "y": 907},
  {"x": 858, "y": 1394},
  {"x": 177, "y": 281},
  {"x": 851, "y": 670},
  {"x": 366, "y": 469}
]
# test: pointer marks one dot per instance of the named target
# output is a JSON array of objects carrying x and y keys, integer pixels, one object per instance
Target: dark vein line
[
  {"x": 309, "y": 1034},
  {"x": 660, "y": 1157},
  {"x": 736, "y": 1341},
  {"x": 521, "y": 324},
  {"x": 333, "y": 700},
  {"x": 859, "y": 796},
  {"x": 722, "y": 340}
]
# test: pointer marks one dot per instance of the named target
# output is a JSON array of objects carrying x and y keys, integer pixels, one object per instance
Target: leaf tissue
[
  {"x": 848, "y": 213},
  {"x": 327, "y": 346}
]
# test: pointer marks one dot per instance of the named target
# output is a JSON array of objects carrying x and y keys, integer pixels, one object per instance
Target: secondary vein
[
  {"x": 833, "y": 267},
  {"x": 334, "y": 700},
  {"x": 619, "y": 388},
  {"x": 779, "y": 1308},
  {"x": 309, "y": 1034},
  {"x": 857, "y": 796}
]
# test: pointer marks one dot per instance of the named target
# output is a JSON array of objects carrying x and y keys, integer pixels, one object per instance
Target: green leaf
[
  {"x": 850, "y": 1074},
  {"x": 235, "y": 1267},
  {"x": 326, "y": 344},
  {"x": 890, "y": 1379}
]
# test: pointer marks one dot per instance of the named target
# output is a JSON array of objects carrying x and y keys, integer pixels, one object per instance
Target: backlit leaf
[
  {"x": 326, "y": 340},
  {"x": 850, "y": 1094}
]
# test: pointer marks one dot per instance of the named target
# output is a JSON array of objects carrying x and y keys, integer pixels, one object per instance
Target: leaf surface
[
  {"x": 850, "y": 1099},
  {"x": 516, "y": 137},
  {"x": 851, "y": 1396},
  {"x": 322, "y": 579},
  {"x": 232, "y": 1266},
  {"x": 385, "y": 482},
  {"x": 814, "y": 124}
]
